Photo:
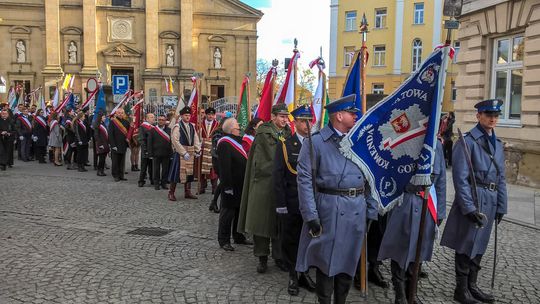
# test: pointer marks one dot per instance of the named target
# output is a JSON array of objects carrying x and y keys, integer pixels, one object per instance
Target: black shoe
[
  {"x": 213, "y": 207},
  {"x": 116, "y": 179},
  {"x": 124, "y": 179},
  {"x": 375, "y": 277},
  {"x": 101, "y": 173},
  {"x": 306, "y": 282},
  {"x": 423, "y": 275},
  {"x": 462, "y": 293},
  {"x": 87, "y": 165},
  {"x": 243, "y": 242},
  {"x": 476, "y": 292},
  {"x": 81, "y": 169},
  {"x": 282, "y": 265},
  {"x": 156, "y": 187},
  {"x": 293, "y": 288},
  {"x": 263, "y": 264},
  {"x": 140, "y": 184},
  {"x": 399, "y": 292},
  {"x": 227, "y": 247},
  {"x": 3, "y": 168},
  {"x": 151, "y": 182},
  {"x": 164, "y": 187}
]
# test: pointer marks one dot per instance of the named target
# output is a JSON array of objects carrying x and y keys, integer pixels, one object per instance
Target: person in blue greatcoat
[
  {"x": 462, "y": 232},
  {"x": 336, "y": 214},
  {"x": 403, "y": 225}
]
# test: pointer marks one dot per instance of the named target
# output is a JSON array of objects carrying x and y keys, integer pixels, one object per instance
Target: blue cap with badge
[
  {"x": 302, "y": 112},
  {"x": 489, "y": 105},
  {"x": 346, "y": 103}
]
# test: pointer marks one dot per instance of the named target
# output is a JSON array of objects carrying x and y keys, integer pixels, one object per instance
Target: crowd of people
[{"x": 301, "y": 201}]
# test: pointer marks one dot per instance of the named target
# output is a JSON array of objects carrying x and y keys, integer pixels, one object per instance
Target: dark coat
[
  {"x": 144, "y": 132},
  {"x": 232, "y": 167},
  {"x": 117, "y": 139},
  {"x": 40, "y": 132},
  {"x": 22, "y": 128},
  {"x": 403, "y": 221},
  {"x": 82, "y": 132},
  {"x": 285, "y": 185},
  {"x": 8, "y": 126},
  {"x": 101, "y": 137},
  {"x": 67, "y": 122},
  {"x": 158, "y": 146},
  {"x": 460, "y": 233}
]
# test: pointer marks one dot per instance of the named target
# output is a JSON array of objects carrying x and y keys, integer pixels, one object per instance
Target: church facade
[{"x": 148, "y": 40}]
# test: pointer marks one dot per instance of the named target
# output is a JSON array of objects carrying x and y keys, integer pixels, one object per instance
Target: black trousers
[
  {"x": 5, "y": 150},
  {"x": 447, "y": 148},
  {"x": 10, "y": 147},
  {"x": 24, "y": 148},
  {"x": 339, "y": 285},
  {"x": 101, "y": 161},
  {"x": 95, "y": 156},
  {"x": 228, "y": 221},
  {"x": 374, "y": 240},
  {"x": 118, "y": 164},
  {"x": 146, "y": 166},
  {"x": 291, "y": 228},
  {"x": 160, "y": 163},
  {"x": 82, "y": 154},
  {"x": 71, "y": 154},
  {"x": 40, "y": 153},
  {"x": 464, "y": 264}
]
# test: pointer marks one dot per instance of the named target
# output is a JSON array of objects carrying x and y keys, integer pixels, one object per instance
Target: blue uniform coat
[
  {"x": 460, "y": 233},
  {"x": 403, "y": 222},
  {"x": 343, "y": 218}
]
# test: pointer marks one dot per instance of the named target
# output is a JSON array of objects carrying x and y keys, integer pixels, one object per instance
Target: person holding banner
[
  {"x": 118, "y": 131},
  {"x": 403, "y": 225},
  {"x": 39, "y": 136},
  {"x": 159, "y": 149},
  {"x": 335, "y": 203},
  {"x": 478, "y": 155}
]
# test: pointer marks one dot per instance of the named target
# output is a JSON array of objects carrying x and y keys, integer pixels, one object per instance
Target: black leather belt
[
  {"x": 352, "y": 192},
  {"x": 490, "y": 186}
]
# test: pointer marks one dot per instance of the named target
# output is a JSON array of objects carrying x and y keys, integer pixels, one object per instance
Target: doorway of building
[{"x": 217, "y": 92}]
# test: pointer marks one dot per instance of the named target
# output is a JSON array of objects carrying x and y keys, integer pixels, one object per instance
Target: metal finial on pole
[
  {"x": 275, "y": 63},
  {"x": 295, "y": 44}
]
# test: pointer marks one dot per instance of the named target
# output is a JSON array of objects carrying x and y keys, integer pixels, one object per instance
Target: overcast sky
[{"x": 284, "y": 20}]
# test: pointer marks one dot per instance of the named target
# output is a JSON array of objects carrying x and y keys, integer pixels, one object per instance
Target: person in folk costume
[
  {"x": 337, "y": 212},
  {"x": 208, "y": 126},
  {"x": 232, "y": 164},
  {"x": 258, "y": 207},
  {"x": 118, "y": 141},
  {"x": 7, "y": 129},
  {"x": 462, "y": 231},
  {"x": 286, "y": 189},
  {"x": 24, "y": 130},
  {"x": 146, "y": 163},
  {"x": 403, "y": 225},
  {"x": 187, "y": 147},
  {"x": 81, "y": 140},
  {"x": 159, "y": 152},
  {"x": 250, "y": 132},
  {"x": 101, "y": 138},
  {"x": 55, "y": 138},
  {"x": 39, "y": 136},
  {"x": 134, "y": 145},
  {"x": 71, "y": 147},
  {"x": 216, "y": 136}
]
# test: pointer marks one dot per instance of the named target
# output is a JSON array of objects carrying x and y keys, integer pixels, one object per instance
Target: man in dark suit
[
  {"x": 286, "y": 191},
  {"x": 24, "y": 130},
  {"x": 118, "y": 130},
  {"x": 146, "y": 164},
  {"x": 159, "y": 151}
]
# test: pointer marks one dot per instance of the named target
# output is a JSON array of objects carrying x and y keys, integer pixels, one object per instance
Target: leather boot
[
  {"x": 375, "y": 276},
  {"x": 408, "y": 293},
  {"x": 213, "y": 207},
  {"x": 187, "y": 191},
  {"x": 462, "y": 293},
  {"x": 399, "y": 291},
  {"x": 263, "y": 264},
  {"x": 172, "y": 188},
  {"x": 293, "y": 288},
  {"x": 476, "y": 292},
  {"x": 306, "y": 282}
]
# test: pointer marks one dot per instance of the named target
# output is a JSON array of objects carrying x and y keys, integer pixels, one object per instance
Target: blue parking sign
[{"x": 120, "y": 84}]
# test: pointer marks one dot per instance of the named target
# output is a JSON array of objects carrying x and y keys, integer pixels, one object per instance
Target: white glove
[
  {"x": 34, "y": 138},
  {"x": 80, "y": 143},
  {"x": 197, "y": 154},
  {"x": 101, "y": 147},
  {"x": 21, "y": 137},
  {"x": 115, "y": 148},
  {"x": 186, "y": 156},
  {"x": 282, "y": 210},
  {"x": 229, "y": 191},
  {"x": 73, "y": 145}
]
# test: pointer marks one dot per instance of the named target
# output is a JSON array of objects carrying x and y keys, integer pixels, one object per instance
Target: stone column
[
  {"x": 186, "y": 37},
  {"x": 89, "y": 38},
  {"x": 52, "y": 38},
  {"x": 152, "y": 36}
]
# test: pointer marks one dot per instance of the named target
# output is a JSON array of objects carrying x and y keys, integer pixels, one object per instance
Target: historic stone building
[
  {"x": 148, "y": 40},
  {"x": 499, "y": 58}
]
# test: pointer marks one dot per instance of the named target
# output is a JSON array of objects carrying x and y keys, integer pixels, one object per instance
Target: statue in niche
[
  {"x": 217, "y": 58},
  {"x": 170, "y": 55},
  {"x": 72, "y": 52},
  {"x": 21, "y": 51}
]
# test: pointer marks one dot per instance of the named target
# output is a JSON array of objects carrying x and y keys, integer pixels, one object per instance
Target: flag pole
[
  {"x": 199, "y": 133},
  {"x": 295, "y": 51},
  {"x": 275, "y": 63}
]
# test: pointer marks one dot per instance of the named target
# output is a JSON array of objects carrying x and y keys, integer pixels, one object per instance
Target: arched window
[{"x": 416, "y": 54}]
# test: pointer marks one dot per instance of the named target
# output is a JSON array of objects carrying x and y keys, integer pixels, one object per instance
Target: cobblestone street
[{"x": 63, "y": 239}]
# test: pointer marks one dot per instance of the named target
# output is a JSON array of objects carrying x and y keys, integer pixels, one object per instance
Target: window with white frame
[
  {"x": 378, "y": 88},
  {"x": 416, "y": 54},
  {"x": 457, "y": 46},
  {"x": 350, "y": 21},
  {"x": 454, "y": 90},
  {"x": 507, "y": 76},
  {"x": 379, "y": 54},
  {"x": 419, "y": 13},
  {"x": 348, "y": 55},
  {"x": 380, "y": 18}
]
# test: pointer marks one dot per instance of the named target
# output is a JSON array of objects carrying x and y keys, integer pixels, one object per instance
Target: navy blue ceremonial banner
[
  {"x": 352, "y": 82},
  {"x": 393, "y": 143}
]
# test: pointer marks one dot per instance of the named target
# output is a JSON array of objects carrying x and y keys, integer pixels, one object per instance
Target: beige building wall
[
  {"x": 482, "y": 27},
  {"x": 137, "y": 37}
]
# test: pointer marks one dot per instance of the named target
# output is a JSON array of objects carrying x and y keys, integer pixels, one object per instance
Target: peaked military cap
[
  {"x": 210, "y": 110},
  {"x": 280, "y": 108},
  {"x": 185, "y": 110},
  {"x": 489, "y": 105},
  {"x": 345, "y": 103},
  {"x": 302, "y": 112}
]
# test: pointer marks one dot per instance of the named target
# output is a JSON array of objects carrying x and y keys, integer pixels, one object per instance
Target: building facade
[
  {"x": 402, "y": 33},
  {"x": 499, "y": 58},
  {"x": 148, "y": 40}
]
